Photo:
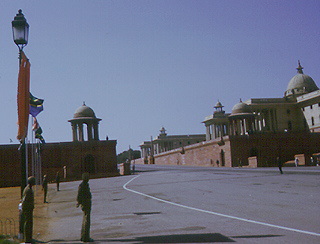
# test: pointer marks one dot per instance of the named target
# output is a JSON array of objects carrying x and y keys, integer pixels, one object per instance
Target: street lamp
[{"x": 20, "y": 30}]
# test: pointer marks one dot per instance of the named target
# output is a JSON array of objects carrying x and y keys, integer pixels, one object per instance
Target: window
[
  {"x": 310, "y": 106},
  {"x": 312, "y": 120}
]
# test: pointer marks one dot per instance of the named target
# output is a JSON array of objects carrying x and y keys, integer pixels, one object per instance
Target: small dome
[
  {"x": 300, "y": 84},
  {"x": 163, "y": 131},
  {"x": 241, "y": 108},
  {"x": 218, "y": 105},
  {"x": 84, "y": 112}
]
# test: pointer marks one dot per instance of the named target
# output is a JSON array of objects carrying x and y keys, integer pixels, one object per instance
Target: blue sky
[{"x": 141, "y": 65}]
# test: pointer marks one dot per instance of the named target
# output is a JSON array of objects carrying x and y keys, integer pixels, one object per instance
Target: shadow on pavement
[
  {"x": 66, "y": 241},
  {"x": 256, "y": 236},
  {"x": 183, "y": 238},
  {"x": 35, "y": 241}
]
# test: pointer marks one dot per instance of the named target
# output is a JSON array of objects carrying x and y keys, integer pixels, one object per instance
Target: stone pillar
[
  {"x": 96, "y": 131},
  {"x": 74, "y": 132},
  {"x": 143, "y": 152},
  {"x": 89, "y": 130},
  {"x": 242, "y": 126},
  {"x": 80, "y": 126},
  {"x": 208, "y": 136}
]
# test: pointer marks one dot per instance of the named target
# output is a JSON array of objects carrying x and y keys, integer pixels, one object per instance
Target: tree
[{"x": 129, "y": 154}]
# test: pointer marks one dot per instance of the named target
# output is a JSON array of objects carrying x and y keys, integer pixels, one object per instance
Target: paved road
[{"x": 169, "y": 204}]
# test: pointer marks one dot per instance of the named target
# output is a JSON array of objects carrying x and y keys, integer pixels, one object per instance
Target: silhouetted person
[
  {"x": 45, "y": 188},
  {"x": 133, "y": 167},
  {"x": 279, "y": 161},
  {"x": 58, "y": 181},
  {"x": 84, "y": 199},
  {"x": 27, "y": 209}
]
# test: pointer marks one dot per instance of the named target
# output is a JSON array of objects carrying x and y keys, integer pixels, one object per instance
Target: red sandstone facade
[
  {"x": 257, "y": 150},
  {"x": 257, "y": 132},
  {"x": 96, "y": 157},
  {"x": 70, "y": 159}
]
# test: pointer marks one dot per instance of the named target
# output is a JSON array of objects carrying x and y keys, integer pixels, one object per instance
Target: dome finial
[
  {"x": 84, "y": 103},
  {"x": 300, "y": 68}
]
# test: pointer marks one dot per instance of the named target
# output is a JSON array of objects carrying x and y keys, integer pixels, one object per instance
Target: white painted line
[{"x": 218, "y": 214}]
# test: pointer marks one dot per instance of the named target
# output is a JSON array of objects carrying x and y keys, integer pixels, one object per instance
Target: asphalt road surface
[{"x": 178, "y": 204}]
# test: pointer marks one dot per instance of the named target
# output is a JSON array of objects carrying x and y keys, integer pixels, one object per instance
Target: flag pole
[
  {"x": 23, "y": 114},
  {"x": 22, "y": 149}
]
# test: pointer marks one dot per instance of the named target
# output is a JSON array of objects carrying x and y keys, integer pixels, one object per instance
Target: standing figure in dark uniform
[
  {"x": 279, "y": 165},
  {"x": 45, "y": 188},
  {"x": 84, "y": 199},
  {"x": 27, "y": 209},
  {"x": 58, "y": 181}
]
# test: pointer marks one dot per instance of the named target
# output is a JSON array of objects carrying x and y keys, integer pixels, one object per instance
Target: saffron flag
[
  {"x": 35, "y": 125},
  {"x": 36, "y": 105},
  {"x": 23, "y": 97},
  {"x": 37, "y": 130}
]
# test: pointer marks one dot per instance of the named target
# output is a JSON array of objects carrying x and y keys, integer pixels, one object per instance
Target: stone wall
[
  {"x": 99, "y": 157},
  {"x": 200, "y": 154},
  {"x": 255, "y": 150}
]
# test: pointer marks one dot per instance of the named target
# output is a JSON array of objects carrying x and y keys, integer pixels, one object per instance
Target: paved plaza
[{"x": 168, "y": 204}]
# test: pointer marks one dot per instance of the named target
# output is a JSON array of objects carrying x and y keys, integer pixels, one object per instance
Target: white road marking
[{"x": 218, "y": 214}]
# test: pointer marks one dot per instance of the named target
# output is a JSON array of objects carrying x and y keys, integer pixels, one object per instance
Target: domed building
[
  {"x": 259, "y": 132},
  {"x": 241, "y": 119},
  {"x": 164, "y": 142},
  {"x": 269, "y": 127},
  {"x": 217, "y": 124},
  {"x": 300, "y": 84},
  {"x": 85, "y": 153},
  {"x": 85, "y": 115}
]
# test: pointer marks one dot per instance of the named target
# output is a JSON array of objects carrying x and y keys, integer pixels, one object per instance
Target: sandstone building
[
  {"x": 164, "y": 142},
  {"x": 86, "y": 153},
  {"x": 259, "y": 131}
]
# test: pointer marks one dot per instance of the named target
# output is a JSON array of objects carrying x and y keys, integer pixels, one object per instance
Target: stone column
[
  {"x": 80, "y": 126},
  {"x": 208, "y": 136},
  {"x": 74, "y": 132},
  {"x": 89, "y": 130},
  {"x": 96, "y": 131}
]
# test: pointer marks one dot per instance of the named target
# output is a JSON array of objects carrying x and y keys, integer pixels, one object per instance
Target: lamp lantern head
[{"x": 20, "y": 30}]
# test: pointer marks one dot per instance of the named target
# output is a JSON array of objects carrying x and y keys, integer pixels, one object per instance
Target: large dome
[
  {"x": 300, "y": 84},
  {"x": 84, "y": 112},
  {"x": 241, "y": 108}
]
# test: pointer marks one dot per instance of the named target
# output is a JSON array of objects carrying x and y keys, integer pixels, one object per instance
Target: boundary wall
[{"x": 214, "y": 153}]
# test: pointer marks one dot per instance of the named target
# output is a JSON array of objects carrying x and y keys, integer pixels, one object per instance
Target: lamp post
[{"x": 20, "y": 30}]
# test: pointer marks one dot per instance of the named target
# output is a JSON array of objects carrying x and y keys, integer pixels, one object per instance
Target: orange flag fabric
[{"x": 23, "y": 97}]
